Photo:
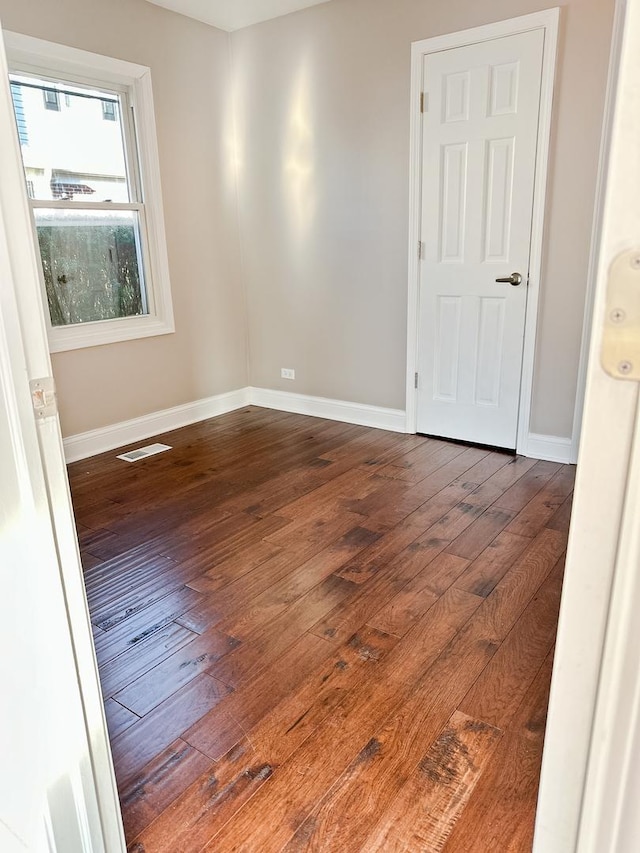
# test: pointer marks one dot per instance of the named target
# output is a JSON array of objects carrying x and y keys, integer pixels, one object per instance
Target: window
[
  {"x": 51, "y": 99},
  {"x": 95, "y": 199},
  {"x": 109, "y": 111}
]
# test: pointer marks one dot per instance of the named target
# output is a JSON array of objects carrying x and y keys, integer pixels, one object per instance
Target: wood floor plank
[
  {"x": 218, "y": 541},
  {"x": 138, "y": 627},
  {"x": 467, "y": 655},
  {"x": 417, "y": 596},
  {"x": 212, "y": 609},
  {"x": 148, "y": 737},
  {"x": 497, "y": 484},
  {"x": 349, "y": 486},
  {"x": 118, "y": 718},
  {"x": 505, "y": 604},
  {"x": 498, "y": 692},
  {"x": 492, "y": 564},
  {"x": 500, "y": 813},
  {"x": 395, "y": 749},
  {"x": 430, "y": 513},
  {"x": 142, "y": 583},
  {"x": 323, "y": 630},
  {"x": 527, "y": 487},
  {"x": 89, "y": 560},
  {"x": 242, "y": 620},
  {"x": 206, "y": 806},
  {"x": 102, "y": 543},
  {"x": 127, "y": 563},
  {"x": 425, "y": 502},
  {"x": 160, "y": 682},
  {"x": 416, "y": 455},
  {"x": 544, "y": 505},
  {"x": 404, "y": 609},
  {"x": 235, "y": 566},
  {"x": 311, "y": 525},
  {"x": 562, "y": 516},
  {"x": 441, "y": 572},
  {"x": 116, "y": 674},
  {"x": 225, "y": 726},
  {"x": 298, "y": 784},
  {"x": 428, "y": 463},
  {"x": 270, "y": 641},
  {"x": 428, "y": 805},
  {"x": 489, "y": 466},
  {"x": 159, "y": 783},
  {"x": 475, "y": 538}
]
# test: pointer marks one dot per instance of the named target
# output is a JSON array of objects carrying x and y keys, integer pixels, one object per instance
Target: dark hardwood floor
[{"x": 321, "y": 637}]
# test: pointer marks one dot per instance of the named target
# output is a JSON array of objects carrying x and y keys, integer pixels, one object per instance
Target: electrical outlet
[{"x": 287, "y": 373}]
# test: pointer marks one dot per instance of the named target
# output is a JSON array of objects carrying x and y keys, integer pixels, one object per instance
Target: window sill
[{"x": 81, "y": 336}]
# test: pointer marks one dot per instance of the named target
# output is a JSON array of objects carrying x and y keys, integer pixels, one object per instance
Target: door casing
[{"x": 548, "y": 20}]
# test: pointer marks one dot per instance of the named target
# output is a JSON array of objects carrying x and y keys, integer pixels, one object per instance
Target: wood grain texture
[
  {"x": 298, "y": 784},
  {"x": 136, "y": 662},
  {"x": 149, "y": 736},
  {"x": 492, "y": 564},
  {"x": 206, "y": 806},
  {"x": 118, "y": 718},
  {"x": 223, "y": 727},
  {"x": 501, "y": 811},
  {"x": 497, "y": 693},
  {"x": 318, "y": 636},
  {"x": 157, "y": 785},
  {"x": 428, "y": 805},
  {"x": 163, "y": 680}
]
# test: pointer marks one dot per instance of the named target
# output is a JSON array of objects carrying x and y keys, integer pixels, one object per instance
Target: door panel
[{"x": 478, "y": 159}]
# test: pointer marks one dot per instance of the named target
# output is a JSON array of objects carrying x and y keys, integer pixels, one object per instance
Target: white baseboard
[
  {"x": 551, "y": 448},
  {"x": 393, "y": 420},
  {"x": 83, "y": 445},
  {"x": 127, "y": 432},
  {"x": 111, "y": 437}
]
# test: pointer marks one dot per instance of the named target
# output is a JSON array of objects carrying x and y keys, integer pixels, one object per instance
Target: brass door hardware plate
[
  {"x": 43, "y": 397},
  {"x": 620, "y": 353}
]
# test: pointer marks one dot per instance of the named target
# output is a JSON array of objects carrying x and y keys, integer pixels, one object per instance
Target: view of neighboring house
[
  {"x": 72, "y": 145},
  {"x": 71, "y": 141}
]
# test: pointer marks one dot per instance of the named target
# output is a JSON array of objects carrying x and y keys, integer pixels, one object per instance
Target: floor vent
[{"x": 143, "y": 452}]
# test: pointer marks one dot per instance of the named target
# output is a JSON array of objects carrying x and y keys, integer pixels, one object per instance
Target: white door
[
  {"x": 480, "y": 128},
  {"x": 57, "y": 789}
]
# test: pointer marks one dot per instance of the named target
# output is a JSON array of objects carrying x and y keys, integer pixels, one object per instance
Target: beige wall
[
  {"x": 323, "y": 125},
  {"x": 190, "y": 72},
  {"x": 322, "y": 151}
]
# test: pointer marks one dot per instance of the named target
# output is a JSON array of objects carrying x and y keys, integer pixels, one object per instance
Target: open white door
[
  {"x": 590, "y": 786},
  {"x": 57, "y": 790}
]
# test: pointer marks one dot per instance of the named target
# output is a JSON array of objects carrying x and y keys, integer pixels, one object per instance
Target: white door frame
[
  {"x": 590, "y": 784},
  {"x": 548, "y": 21},
  {"x": 93, "y": 803}
]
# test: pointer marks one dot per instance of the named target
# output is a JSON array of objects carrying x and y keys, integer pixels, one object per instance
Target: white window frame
[{"x": 35, "y": 56}]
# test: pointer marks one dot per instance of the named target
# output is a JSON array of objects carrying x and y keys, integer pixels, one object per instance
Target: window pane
[
  {"x": 68, "y": 149},
  {"x": 91, "y": 264}
]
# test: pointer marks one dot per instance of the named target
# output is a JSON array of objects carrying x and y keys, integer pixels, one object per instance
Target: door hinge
[
  {"x": 415, "y": 381},
  {"x": 43, "y": 397},
  {"x": 420, "y": 250},
  {"x": 424, "y": 102},
  {"x": 620, "y": 349}
]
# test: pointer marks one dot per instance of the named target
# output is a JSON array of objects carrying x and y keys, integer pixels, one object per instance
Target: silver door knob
[{"x": 515, "y": 279}]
